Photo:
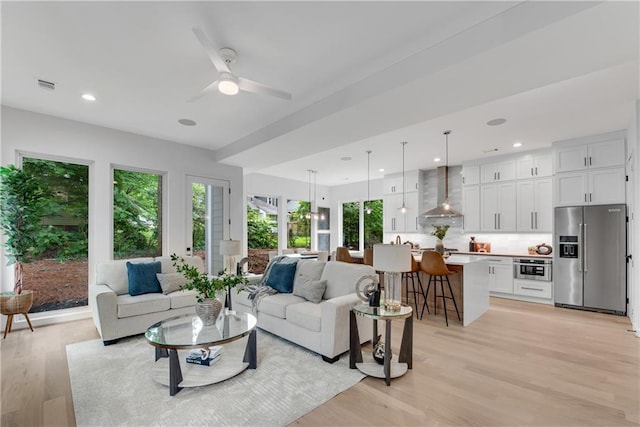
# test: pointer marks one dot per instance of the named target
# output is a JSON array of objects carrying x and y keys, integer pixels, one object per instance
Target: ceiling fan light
[{"x": 228, "y": 87}]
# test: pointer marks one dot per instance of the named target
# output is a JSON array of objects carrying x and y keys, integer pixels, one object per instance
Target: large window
[
  {"x": 59, "y": 275},
  {"x": 372, "y": 222},
  {"x": 137, "y": 214},
  {"x": 351, "y": 225},
  {"x": 262, "y": 231},
  {"x": 298, "y": 224}
]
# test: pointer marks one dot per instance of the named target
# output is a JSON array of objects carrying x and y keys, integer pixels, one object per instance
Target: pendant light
[
  {"x": 403, "y": 208},
  {"x": 311, "y": 213},
  {"x": 368, "y": 210}
]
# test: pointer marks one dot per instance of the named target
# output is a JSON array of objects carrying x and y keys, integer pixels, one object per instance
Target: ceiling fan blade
[
  {"x": 218, "y": 62},
  {"x": 255, "y": 87},
  {"x": 212, "y": 86}
]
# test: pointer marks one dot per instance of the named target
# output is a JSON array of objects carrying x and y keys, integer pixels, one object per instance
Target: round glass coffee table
[
  {"x": 388, "y": 369},
  {"x": 188, "y": 332}
]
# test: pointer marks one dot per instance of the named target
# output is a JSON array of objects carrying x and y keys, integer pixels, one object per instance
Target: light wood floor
[{"x": 519, "y": 364}]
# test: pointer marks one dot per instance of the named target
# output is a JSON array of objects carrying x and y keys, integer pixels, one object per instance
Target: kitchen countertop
[
  {"x": 510, "y": 254},
  {"x": 459, "y": 259}
]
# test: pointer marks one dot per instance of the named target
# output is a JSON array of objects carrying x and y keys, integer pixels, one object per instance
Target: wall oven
[{"x": 532, "y": 269}]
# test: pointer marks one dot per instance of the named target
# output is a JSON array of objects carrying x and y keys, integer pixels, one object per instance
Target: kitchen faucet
[{"x": 398, "y": 240}]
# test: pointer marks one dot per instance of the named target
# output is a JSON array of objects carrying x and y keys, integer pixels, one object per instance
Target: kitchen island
[{"x": 470, "y": 287}]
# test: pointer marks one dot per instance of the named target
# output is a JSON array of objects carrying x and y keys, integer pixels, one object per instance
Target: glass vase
[{"x": 392, "y": 291}]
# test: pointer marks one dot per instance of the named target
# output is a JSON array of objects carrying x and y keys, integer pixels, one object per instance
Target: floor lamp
[
  {"x": 393, "y": 260},
  {"x": 230, "y": 249}
]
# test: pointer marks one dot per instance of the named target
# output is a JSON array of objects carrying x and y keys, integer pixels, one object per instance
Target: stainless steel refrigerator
[{"x": 589, "y": 265}]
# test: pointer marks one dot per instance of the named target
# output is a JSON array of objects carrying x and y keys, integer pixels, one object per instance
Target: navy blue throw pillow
[
  {"x": 281, "y": 277},
  {"x": 142, "y": 278}
]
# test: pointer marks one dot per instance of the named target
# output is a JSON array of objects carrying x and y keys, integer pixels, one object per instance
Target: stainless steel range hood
[{"x": 442, "y": 210}]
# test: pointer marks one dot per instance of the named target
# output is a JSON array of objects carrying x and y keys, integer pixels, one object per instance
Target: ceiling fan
[{"x": 228, "y": 83}]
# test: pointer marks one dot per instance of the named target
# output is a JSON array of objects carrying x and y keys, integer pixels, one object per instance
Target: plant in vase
[
  {"x": 440, "y": 231},
  {"x": 208, "y": 306},
  {"x": 23, "y": 199}
]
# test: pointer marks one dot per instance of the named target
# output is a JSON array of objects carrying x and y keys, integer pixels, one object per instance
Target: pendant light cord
[{"x": 404, "y": 193}]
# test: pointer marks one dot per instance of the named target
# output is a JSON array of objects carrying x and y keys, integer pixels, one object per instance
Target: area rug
[{"x": 112, "y": 386}]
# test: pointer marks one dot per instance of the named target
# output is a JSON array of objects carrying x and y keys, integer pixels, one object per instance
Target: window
[
  {"x": 323, "y": 232},
  {"x": 262, "y": 230},
  {"x": 59, "y": 275},
  {"x": 351, "y": 225},
  {"x": 298, "y": 224},
  {"x": 372, "y": 222},
  {"x": 137, "y": 214}
]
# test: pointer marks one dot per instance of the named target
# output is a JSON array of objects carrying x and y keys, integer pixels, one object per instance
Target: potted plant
[
  {"x": 440, "y": 231},
  {"x": 23, "y": 199},
  {"x": 209, "y": 305}
]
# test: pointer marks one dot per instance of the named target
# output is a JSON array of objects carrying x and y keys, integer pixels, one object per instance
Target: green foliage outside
[
  {"x": 300, "y": 226},
  {"x": 136, "y": 214},
  {"x": 64, "y": 231},
  {"x": 198, "y": 215},
  {"x": 259, "y": 231},
  {"x": 351, "y": 225},
  {"x": 373, "y": 223}
]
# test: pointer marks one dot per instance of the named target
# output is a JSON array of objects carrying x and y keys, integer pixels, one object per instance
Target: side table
[{"x": 405, "y": 358}]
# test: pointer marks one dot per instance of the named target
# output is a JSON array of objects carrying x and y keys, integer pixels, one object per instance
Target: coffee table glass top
[
  {"x": 365, "y": 310},
  {"x": 187, "y": 331}
]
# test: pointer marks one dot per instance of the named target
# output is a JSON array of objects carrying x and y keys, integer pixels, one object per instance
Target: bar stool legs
[
  {"x": 439, "y": 279},
  {"x": 405, "y": 278}
]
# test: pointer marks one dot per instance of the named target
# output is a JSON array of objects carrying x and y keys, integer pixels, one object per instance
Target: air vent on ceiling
[
  {"x": 491, "y": 150},
  {"x": 46, "y": 85}
]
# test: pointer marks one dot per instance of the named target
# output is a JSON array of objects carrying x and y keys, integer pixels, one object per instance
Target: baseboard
[{"x": 49, "y": 317}]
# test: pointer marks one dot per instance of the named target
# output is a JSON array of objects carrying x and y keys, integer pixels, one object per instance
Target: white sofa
[
  {"x": 323, "y": 327},
  {"x": 117, "y": 314}
]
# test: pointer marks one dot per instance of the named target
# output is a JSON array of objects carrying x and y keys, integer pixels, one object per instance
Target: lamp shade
[
  {"x": 392, "y": 258},
  {"x": 230, "y": 247}
]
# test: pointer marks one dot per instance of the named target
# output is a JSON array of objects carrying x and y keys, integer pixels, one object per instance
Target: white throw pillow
[
  {"x": 311, "y": 290},
  {"x": 171, "y": 282},
  {"x": 307, "y": 270}
]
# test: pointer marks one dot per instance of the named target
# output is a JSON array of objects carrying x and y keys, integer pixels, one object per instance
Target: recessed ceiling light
[
  {"x": 496, "y": 122},
  {"x": 187, "y": 122},
  {"x": 437, "y": 159},
  {"x": 88, "y": 97},
  {"x": 381, "y": 170},
  {"x": 517, "y": 144},
  {"x": 345, "y": 158}
]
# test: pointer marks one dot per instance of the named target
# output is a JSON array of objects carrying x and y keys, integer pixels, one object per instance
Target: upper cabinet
[
  {"x": 590, "y": 171},
  {"x": 539, "y": 165},
  {"x": 392, "y": 183},
  {"x": 504, "y": 170},
  {"x": 471, "y": 175},
  {"x": 395, "y": 221},
  {"x": 602, "y": 154}
]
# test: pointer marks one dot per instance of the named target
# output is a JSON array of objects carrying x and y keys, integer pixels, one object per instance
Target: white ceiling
[{"x": 364, "y": 75}]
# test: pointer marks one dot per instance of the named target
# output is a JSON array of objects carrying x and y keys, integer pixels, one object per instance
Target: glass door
[{"x": 207, "y": 219}]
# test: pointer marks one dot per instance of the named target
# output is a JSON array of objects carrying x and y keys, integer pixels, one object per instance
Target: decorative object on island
[
  {"x": 393, "y": 260},
  {"x": 368, "y": 290},
  {"x": 22, "y": 205},
  {"x": 230, "y": 249},
  {"x": 208, "y": 306},
  {"x": 532, "y": 250},
  {"x": 472, "y": 244},
  {"x": 543, "y": 249},
  {"x": 440, "y": 231}
]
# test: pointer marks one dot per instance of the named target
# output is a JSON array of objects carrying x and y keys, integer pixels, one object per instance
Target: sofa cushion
[
  {"x": 276, "y": 305},
  {"x": 183, "y": 298},
  {"x": 306, "y": 315},
  {"x": 281, "y": 277},
  {"x": 341, "y": 277},
  {"x": 311, "y": 290},
  {"x": 242, "y": 298},
  {"x": 307, "y": 270},
  {"x": 167, "y": 264},
  {"x": 114, "y": 274},
  {"x": 171, "y": 282},
  {"x": 142, "y": 278},
  {"x": 129, "y": 306}
]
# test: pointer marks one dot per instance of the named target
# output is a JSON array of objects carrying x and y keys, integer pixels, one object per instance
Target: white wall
[{"x": 36, "y": 134}]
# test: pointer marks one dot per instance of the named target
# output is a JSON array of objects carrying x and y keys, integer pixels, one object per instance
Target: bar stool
[
  {"x": 412, "y": 274},
  {"x": 342, "y": 254},
  {"x": 367, "y": 256},
  {"x": 433, "y": 264}
]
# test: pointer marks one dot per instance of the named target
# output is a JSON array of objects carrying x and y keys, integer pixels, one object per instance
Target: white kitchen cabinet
[
  {"x": 471, "y": 207},
  {"x": 593, "y": 187},
  {"x": 602, "y": 154},
  {"x": 413, "y": 181},
  {"x": 538, "y": 165},
  {"x": 470, "y": 174},
  {"x": 504, "y": 170},
  {"x": 397, "y": 222},
  {"x": 498, "y": 207},
  {"x": 391, "y": 213},
  {"x": 534, "y": 205},
  {"x": 533, "y": 288},
  {"x": 501, "y": 275},
  {"x": 392, "y": 184}
]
